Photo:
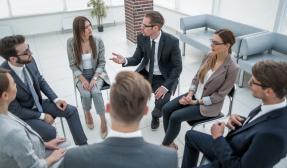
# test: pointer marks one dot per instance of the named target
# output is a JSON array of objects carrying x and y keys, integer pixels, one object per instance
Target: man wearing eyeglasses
[
  {"x": 260, "y": 140},
  {"x": 28, "y": 104},
  {"x": 159, "y": 57}
]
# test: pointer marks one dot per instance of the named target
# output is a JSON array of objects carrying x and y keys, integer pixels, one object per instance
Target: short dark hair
[
  {"x": 272, "y": 75},
  {"x": 7, "y": 45},
  {"x": 155, "y": 18},
  {"x": 4, "y": 84},
  {"x": 128, "y": 97}
]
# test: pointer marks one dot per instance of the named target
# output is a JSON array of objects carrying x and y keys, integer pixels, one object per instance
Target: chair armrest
[
  {"x": 192, "y": 22},
  {"x": 255, "y": 43}
]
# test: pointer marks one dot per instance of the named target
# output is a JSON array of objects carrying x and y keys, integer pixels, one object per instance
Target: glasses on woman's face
[
  {"x": 26, "y": 52},
  {"x": 252, "y": 82},
  {"x": 213, "y": 42}
]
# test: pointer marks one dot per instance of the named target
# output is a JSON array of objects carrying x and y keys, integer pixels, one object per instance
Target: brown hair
[
  {"x": 128, "y": 97},
  {"x": 78, "y": 29},
  {"x": 4, "y": 84},
  {"x": 8, "y": 44},
  {"x": 227, "y": 37},
  {"x": 272, "y": 75},
  {"x": 155, "y": 18}
]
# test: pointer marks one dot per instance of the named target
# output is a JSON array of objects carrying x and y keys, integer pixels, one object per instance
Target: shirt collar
[
  {"x": 156, "y": 39},
  {"x": 113, "y": 133},
  {"x": 15, "y": 68},
  {"x": 271, "y": 107}
]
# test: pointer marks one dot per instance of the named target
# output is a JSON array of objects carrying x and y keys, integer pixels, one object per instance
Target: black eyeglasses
[
  {"x": 145, "y": 26},
  {"x": 213, "y": 42},
  {"x": 252, "y": 82},
  {"x": 26, "y": 52}
]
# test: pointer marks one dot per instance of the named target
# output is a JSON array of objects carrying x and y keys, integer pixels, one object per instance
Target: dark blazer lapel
[
  {"x": 16, "y": 78},
  {"x": 270, "y": 115},
  {"x": 160, "y": 45},
  {"x": 222, "y": 69}
]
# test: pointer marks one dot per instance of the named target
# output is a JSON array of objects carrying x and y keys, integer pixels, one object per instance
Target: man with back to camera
[
  {"x": 28, "y": 104},
  {"x": 258, "y": 141},
  {"x": 124, "y": 146},
  {"x": 159, "y": 57}
]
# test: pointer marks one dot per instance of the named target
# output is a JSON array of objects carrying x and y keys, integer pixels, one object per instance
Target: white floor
[{"x": 50, "y": 53}]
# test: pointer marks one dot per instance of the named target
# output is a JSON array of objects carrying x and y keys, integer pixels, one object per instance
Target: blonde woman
[{"x": 86, "y": 55}]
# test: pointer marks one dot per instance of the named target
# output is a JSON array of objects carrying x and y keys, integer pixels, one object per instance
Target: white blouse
[
  {"x": 200, "y": 87},
  {"x": 87, "y": 61}
]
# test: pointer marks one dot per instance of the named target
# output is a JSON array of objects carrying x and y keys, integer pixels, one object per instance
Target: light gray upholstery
[
  {"x": 197, "y": 30},
  {"x": 264, "y": 46}
]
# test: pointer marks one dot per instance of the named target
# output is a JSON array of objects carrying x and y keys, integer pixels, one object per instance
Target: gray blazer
[
  {"x": 120, "y": 153},
  {"x": 217, "y": 86},
  {"x": 98, "y": 63},
  {"x": 20, "y": 145}
]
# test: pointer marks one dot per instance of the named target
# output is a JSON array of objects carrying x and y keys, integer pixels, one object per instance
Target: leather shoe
[{"x": 154, "y": 123}]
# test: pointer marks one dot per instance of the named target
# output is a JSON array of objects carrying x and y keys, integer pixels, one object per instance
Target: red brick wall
[{"x": 134, "y": 13}]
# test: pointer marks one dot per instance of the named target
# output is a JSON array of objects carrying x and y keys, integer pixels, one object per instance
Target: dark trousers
[
  {"x": 175, "y": 113},
  {"x": 157, "y": 81},
  {"x": 196, "y": 142},
  {"x": 48, "y": 132}
]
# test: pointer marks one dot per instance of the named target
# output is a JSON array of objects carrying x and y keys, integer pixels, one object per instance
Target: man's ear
[
  {"x": 108, "y": 107},
  {"x": 145, "y": 110},
  {"x": 12, "y": 59},
  {"x": 4, "y": 95},
  {"x": 270, "y": 93}
]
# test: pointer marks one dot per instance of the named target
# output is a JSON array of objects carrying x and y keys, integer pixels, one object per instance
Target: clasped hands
[
  {"x": 187, "y": 100},
  {"x": 234, "y": 120}
]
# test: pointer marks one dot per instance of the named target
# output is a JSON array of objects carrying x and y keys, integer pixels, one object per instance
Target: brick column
[{"x": 134, "y": 13}]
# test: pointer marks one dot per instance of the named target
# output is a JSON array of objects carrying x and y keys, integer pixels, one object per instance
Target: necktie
[
  {"x": 151, "y": 62},
  {"x": 32, "y": 90},
  {"x": 252, "y": 114}
]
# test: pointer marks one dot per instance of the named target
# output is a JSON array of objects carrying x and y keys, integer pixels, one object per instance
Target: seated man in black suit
[
  {"x": 28, "y": 104},
  {"x": 159, "y": 59},
  {"x": 258, "y": 141},
  {"x": 124, "y": 146}
]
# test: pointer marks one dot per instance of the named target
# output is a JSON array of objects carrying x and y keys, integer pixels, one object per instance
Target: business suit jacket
[
  {"x": 24, "y": 102},
  {"x": 20, "y": 145},
  {"x": 217, "y": 86},
  {"x": 260, "y": 143},
  {"x": 120, "y": 153},
  {"x": 169, "y": 58},
  {"x": 98, "y": 63}
]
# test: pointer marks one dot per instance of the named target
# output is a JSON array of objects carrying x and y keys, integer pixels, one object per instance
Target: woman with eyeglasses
[
  {"x": 213, "y": 81},
  {"x": 86, "y": 55},
  {"x": 20, "y": 145}
]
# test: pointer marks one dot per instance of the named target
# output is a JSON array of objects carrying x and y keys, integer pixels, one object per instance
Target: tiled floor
[{"x": 50, "y": 53}]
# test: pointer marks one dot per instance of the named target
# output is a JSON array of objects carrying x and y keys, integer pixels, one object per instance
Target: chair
[{"x": 221, "y": 115}]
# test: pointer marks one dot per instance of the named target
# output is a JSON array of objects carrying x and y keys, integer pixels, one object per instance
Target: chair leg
[
  {"x": 63, "y": 128},
  {"x": 241, "y": 78},
  {"x": 183, "y": 49},
  {"x": 76, "y": 97}
]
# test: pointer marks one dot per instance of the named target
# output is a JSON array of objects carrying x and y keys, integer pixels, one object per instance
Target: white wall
[{"x": 38, "y": 24}]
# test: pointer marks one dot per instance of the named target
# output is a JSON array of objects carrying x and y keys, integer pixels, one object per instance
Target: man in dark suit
[
  {"x": 159, "y": 57},
  {"x": 28, "y": 104},
  {"x": 124, "y": 146},
  {"x": 258, "y": 141}
]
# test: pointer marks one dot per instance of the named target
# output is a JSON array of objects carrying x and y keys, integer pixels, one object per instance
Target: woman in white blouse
[
  {"x": 213, "y": 81},
  {"x": 86, "y": 55}
]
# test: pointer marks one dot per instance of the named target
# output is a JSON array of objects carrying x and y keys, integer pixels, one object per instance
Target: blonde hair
[
  {"x": 227, "y": 37},
  {"x": 129, "y": 96}
]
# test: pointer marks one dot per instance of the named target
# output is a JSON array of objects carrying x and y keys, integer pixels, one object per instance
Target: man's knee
[
  {"x": 48, "y": 133},
  {"x": 71, "y": 110}
]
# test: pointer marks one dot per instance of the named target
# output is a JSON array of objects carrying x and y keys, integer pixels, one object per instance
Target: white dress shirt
[
  {"x": 156, "y": 70},
  {"x": 113, "y": 133},
  {"x": 268, "y": 108}
]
